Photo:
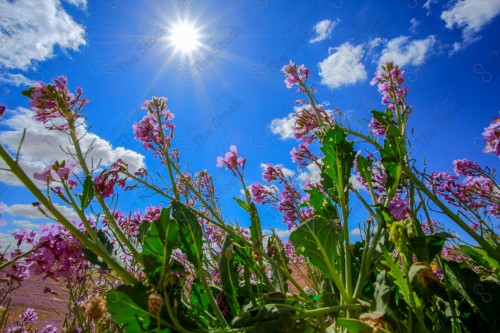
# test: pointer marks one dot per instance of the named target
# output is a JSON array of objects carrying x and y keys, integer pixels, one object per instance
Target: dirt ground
[{"x": 51, "y": 307}]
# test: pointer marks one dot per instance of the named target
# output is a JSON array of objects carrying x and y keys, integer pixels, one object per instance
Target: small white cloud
[
  {"x": 470, "y": 16},
  {"x": 284, "y": 127},
  {"x": 343, "y": 66},
  {"x": 78, "y": 3},
  {"x": 356, "y": 232},
  {"x": 16, "y": 80},
  {"x": 31, "y": 30},
  {"x": 324, "y": 30},
  {"x": 413, "y": 25},
  {"x": 282, "y": 234},
  {"x": 42, "y": 147},
  {"x": 427, "y": 6},
  {"x": 312, "y": 174},
  {"x": 7, "y": 242},
  {"x": 23, "y": 224},
  {"x": 403, "y": 51},
  {"x": 31, "y": 212},
  {"x": 375, "y": 42}
]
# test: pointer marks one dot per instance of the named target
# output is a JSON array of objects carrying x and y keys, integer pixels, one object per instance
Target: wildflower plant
[{"x": 181, "y": 267}]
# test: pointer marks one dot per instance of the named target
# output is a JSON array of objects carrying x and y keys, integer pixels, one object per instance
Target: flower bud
[
  {"x": 155, "y": 302},
  {"x": 96, "y": 308}
]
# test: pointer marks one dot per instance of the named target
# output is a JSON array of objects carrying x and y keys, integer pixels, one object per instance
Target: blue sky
[{"x": 231, "y": 89}]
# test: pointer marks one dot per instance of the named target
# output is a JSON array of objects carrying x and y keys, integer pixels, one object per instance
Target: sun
[{"x": 184, "y": 36}]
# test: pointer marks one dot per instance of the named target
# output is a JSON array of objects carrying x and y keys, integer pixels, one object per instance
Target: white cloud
[
  {"x": 79, "y": 3},
  {"x": 356, "y": 232},
  {"x": 284, "y": 127},
  {"x": 355, "y": 183},
  {"x": 343, "y": 66},
  {"x": 282, "y": 234},
  {"x": 375, "y": 42},
  {"x": 403, "y": 51},
  {"x": 30, "y": 30},
  {"x": 7, "y": 242},
  {"x": 470, "y": 16},
  {"x": 42, "y": 147},
  {"x": 15, "y": 80},
  {"x": 312, "y": 174},
  {"x": 427, "y": 6},
  {"x": 31, "y": 212},
  {"x": 413, "y": 25},
  {"x": 23, "y": 224},
  {"x": 323, "y": 30}
]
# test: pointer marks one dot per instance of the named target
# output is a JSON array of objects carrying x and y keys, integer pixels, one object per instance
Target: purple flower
[
  {"x": 491, "y": 136},
  {"x": 3, "y": 108},
  {"x": 377, "y": 127},
  {"x": 399, "y": 208},
  {"x": 466, "y": 168},
  {"x": 231, "y": 159},
  {"x": 272, "y": 173},
  {"x": 294, "y": 74}
]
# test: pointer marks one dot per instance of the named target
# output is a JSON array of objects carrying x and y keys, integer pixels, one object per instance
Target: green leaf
[
  {"x": 321, "y": 205},
  {"x": 242, "y": 204},
  {"x": 128, "y": 305},
  {"x": 88, "y": 193},
  {"x": 382, "y": 292},
  {"x": 317, "y": 239},
  {"x": 157, "y": 246},
  {"x": 269, "y": 318},
  {"x": 228, "y": 270},
  {"x": 28, "y": 92},
  {"x": 92, "y": 257},
  {"x": 200, "y": 303},
  {"x": 404, "y": 289},
  {"x": 483, "y": 295},
  {"x": 143, "y": 229},
  {"x": 255, "y": 227},
  {"x": 338, "y": 160},
  {"x": 365, "y": 166},
  {"x": 190, "y": 232},
  {"x": 275, "y": 247},
  {"x": 354, "y": 325}
]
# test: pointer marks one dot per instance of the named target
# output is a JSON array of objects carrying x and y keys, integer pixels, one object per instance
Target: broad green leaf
[
  {"x": 365, "y": 166},
  {"x": 482, "y": 295},
  {"x": 143, "y": 229},
  {"x": 128, "y": 305},
  {"x": 228, "y": 270},
  {"x": 268, "y": 319},
  {"x": 338, "y": 160},
  {"x": 354, "y": 325},
  {"x": 395, "y": 271},
  {"x": 242, "y": 204},
  {"x": 322, "y": 206},
  {"x": 190, "y": 233},
  {"x": 200, "y": 303},
  {"x": 483, "y": 256},
  {"x": 87, "y": 194},
  {"x": 317, "y": 239},
  {"x": 157, "y": 246}
]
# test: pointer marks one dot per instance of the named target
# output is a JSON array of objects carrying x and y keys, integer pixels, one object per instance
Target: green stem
[
  {"x": 8, "y": 263},
  {"x": 211, "y": 300}
]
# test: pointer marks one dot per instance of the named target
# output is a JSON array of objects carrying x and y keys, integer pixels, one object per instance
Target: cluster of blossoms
[
  {"x": 295, "y": 74},
  {"x": 58, "y": 254},
  {"x": 150, "y": 130},
  {"x": 491, "y": 137},
  {"x": 399, "y": 208},
  {"x": 477, "y": 191},
  {"x": 231, "y": 160},
  {"x": 53, "y": 103},
  {"x": 105, "y": 183},
  {"x": 390, "y": 78},
  {"x": 59, "y": 172}
]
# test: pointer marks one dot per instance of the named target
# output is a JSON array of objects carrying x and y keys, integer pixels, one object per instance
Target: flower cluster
[
  {"x": 151, "y": 129},
  {"x": 476, "y": 191},
  {"x": 231, "y": 160},
  {"x": 491, "y": 136},
  {"x": 54, "y": 104},
  {"x": 58, "y": 172},
  {"x": 106, "y": 181},
  {"x": 294, "y": 74}
]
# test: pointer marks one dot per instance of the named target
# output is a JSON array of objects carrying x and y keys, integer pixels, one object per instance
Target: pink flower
[
  {"x": 231, "y": 159},
  {"x": 399, "y": 208},
  {"x": 491, "y": 136},
  {"x": 3, "y": 108},
  {"x": 261, "y": 194},
  {"x": 466, "y": 168},
  {"x": 377, "y": 127},
  {"x": 294, "y": 74},
  {"x": 272, "y": 173}
]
